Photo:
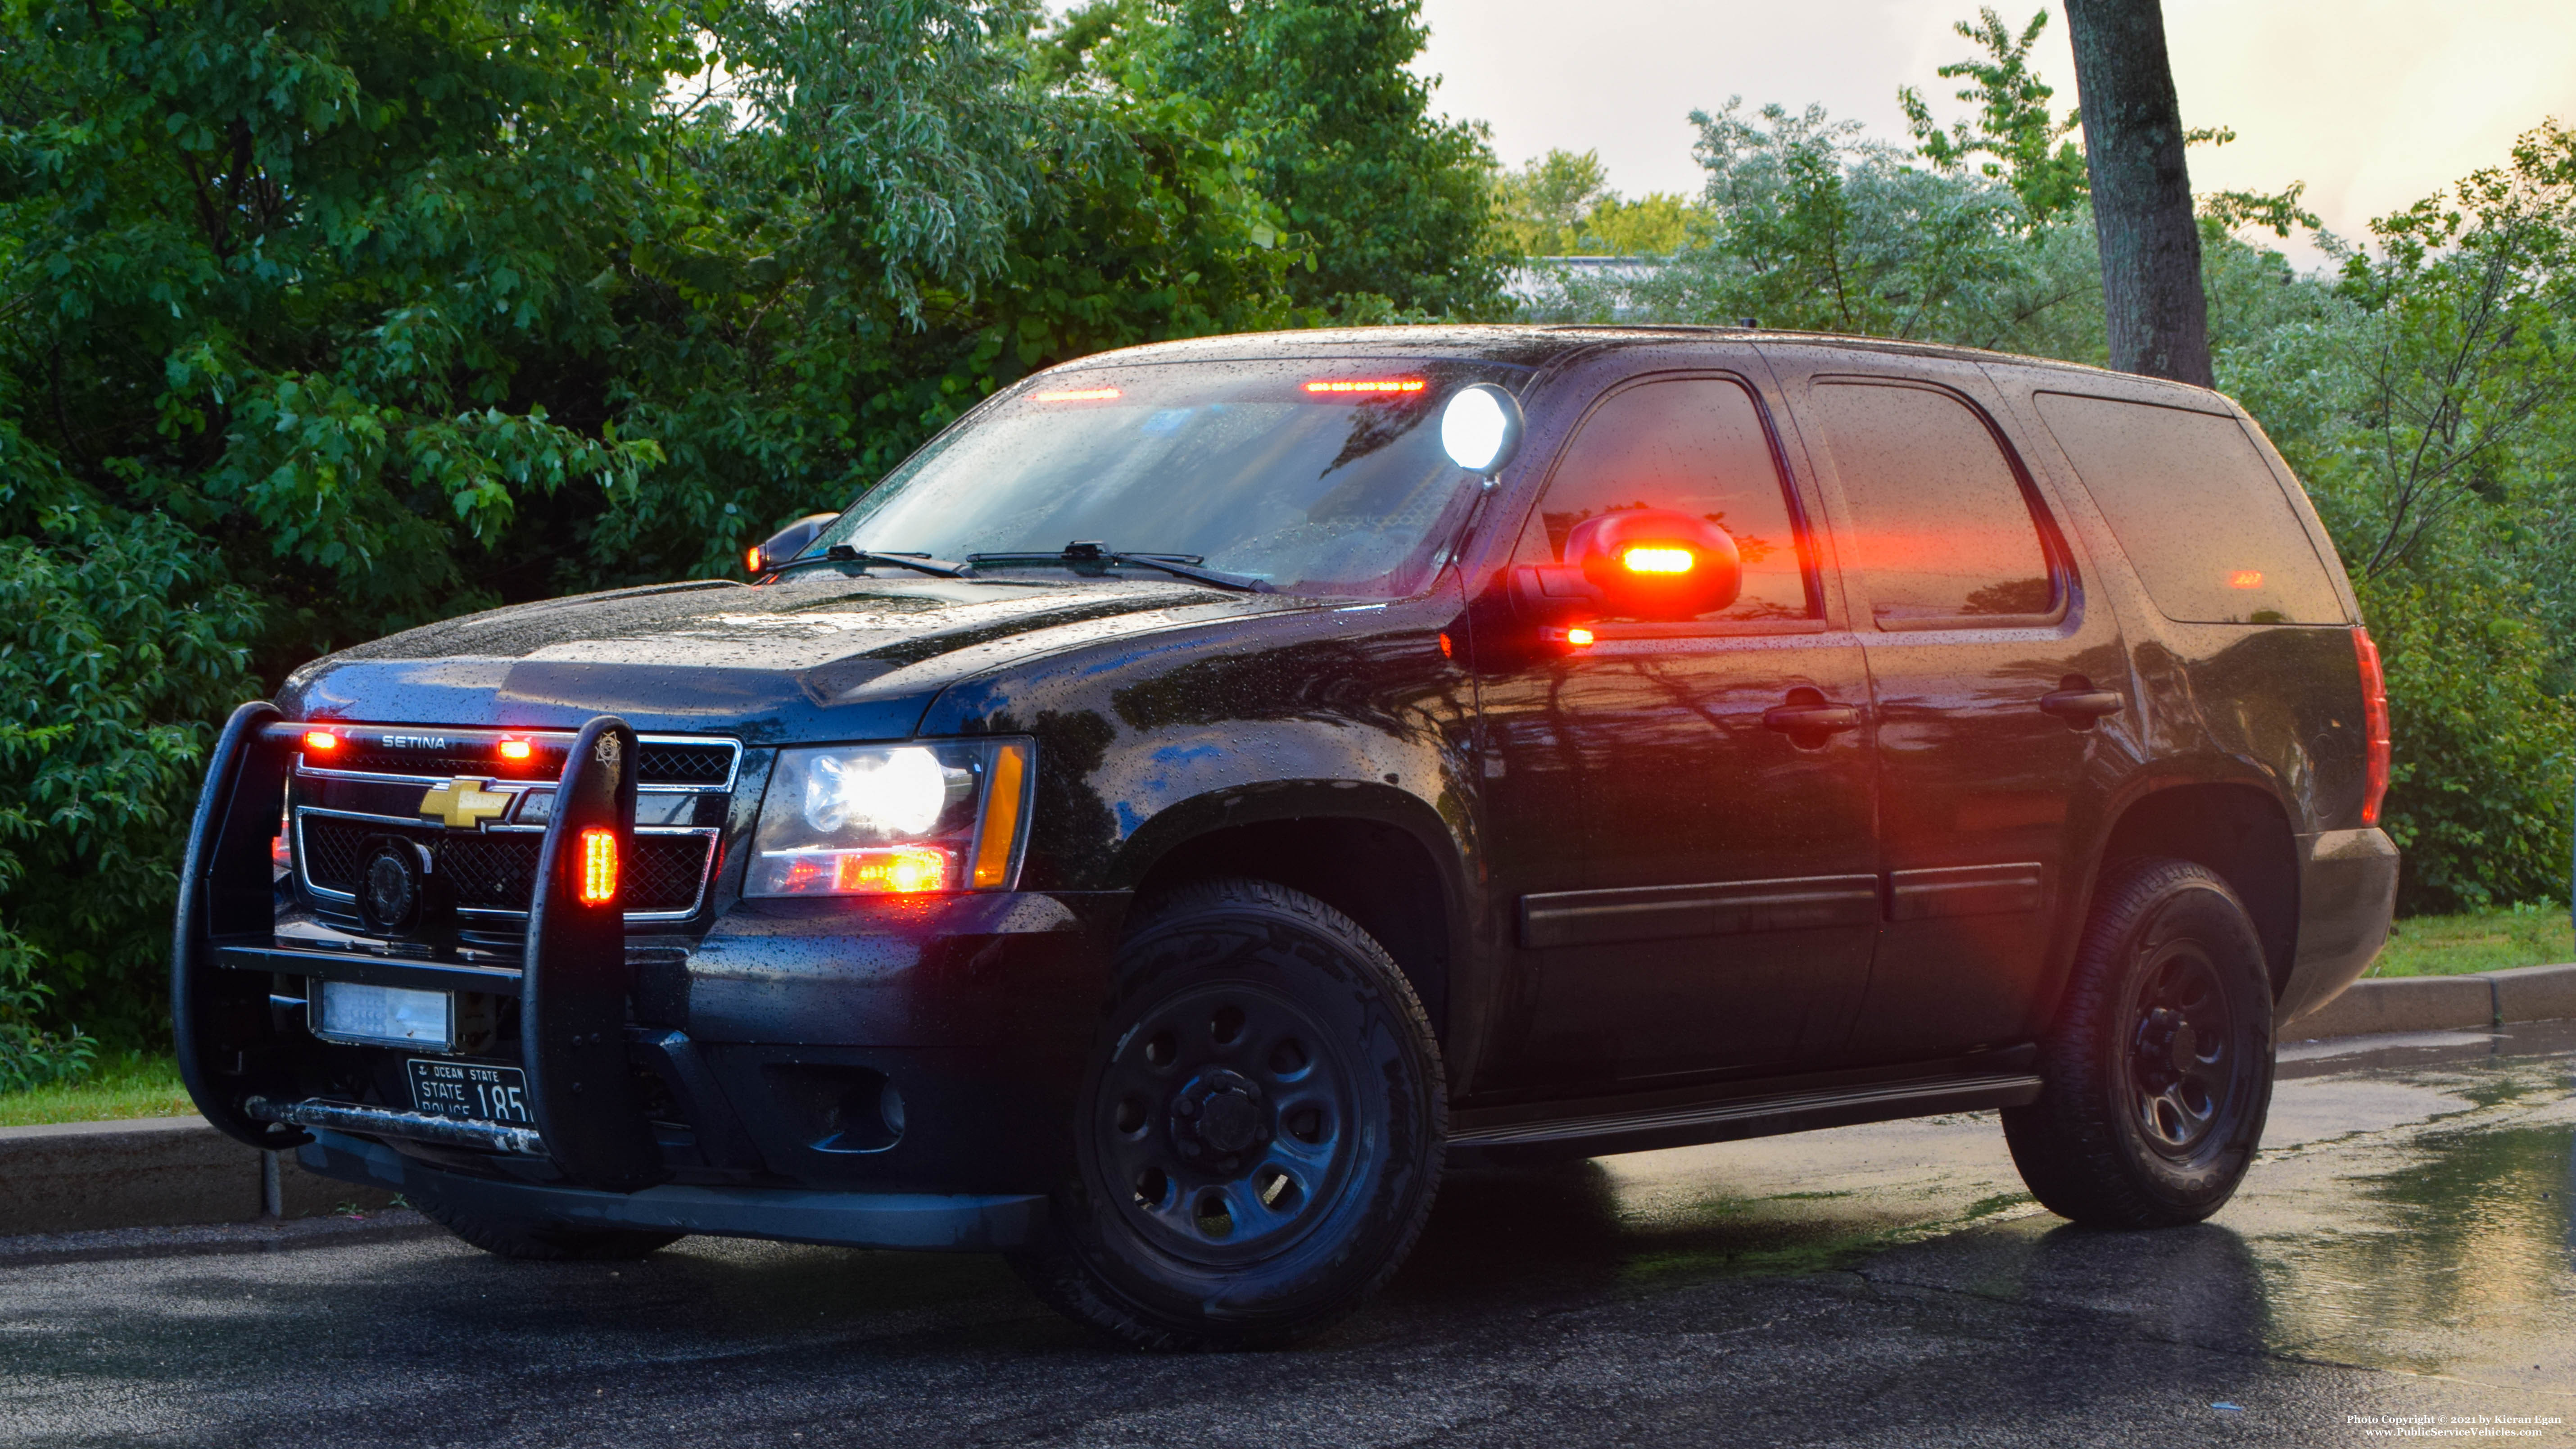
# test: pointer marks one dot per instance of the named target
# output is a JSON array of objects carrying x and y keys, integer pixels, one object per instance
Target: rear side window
[
  {"x": 1695, "y": 445},
  {"x": 1943, "y": 527},
  {"x": 2199, "y": 514}
]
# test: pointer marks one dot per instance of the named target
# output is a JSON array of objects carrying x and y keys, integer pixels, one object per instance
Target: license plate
[{"x": 471, "y": 1092}]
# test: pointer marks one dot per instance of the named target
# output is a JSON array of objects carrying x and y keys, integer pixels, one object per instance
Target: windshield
[{"x": 1314, "y": 476}]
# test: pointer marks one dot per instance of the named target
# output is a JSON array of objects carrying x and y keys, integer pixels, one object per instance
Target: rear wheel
[
  {"x": 2159, "y": 1068},
  {"x": 1259, "y": 1135},
  {"x": 537, "y": 1240}
]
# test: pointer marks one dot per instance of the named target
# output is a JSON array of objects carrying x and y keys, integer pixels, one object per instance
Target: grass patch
[
  {"x": 2525, "y": 935},
  {"x": 129, "y": 1084}
]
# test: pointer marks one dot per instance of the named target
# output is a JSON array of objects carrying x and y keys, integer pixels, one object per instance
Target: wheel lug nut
[
  {"x": 1185, "y": 1107},
  {"x": 1189, "y": 1149}
]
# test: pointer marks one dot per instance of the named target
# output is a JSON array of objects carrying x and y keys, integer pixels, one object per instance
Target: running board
[
  {"x": 417, "y": 1126},
  {"x": 1729, "y": 1120}
]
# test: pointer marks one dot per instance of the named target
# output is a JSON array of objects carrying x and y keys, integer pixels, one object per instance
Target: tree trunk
[{"x": 2152, "y": 304}]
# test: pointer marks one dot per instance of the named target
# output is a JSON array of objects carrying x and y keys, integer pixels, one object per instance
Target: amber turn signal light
[{"x": 598, "y": 865}]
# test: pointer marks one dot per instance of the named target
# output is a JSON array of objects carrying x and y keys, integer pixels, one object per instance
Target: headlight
[{"x": 863, "y": 820}]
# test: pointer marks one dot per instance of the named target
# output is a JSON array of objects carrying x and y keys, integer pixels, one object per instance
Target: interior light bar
[{"x": 1366, "y": 385}]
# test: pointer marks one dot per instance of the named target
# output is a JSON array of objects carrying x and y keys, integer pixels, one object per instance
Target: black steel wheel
[
  {"x": 1261, "y": 1128},
  {"x": 538, "y": 1240},
  {"x": 2159, "y": 1067}
]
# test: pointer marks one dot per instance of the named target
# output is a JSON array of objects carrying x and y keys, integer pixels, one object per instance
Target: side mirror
[
  {"x": 1636, "y": 563},
  {"x": 786, "y": 543},
  {"x": 1653, "y": 563}
]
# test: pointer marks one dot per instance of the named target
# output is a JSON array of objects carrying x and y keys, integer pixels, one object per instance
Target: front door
[
  {"x": 1992, "y": 677},
  {"x": 1679, "y": 815}
]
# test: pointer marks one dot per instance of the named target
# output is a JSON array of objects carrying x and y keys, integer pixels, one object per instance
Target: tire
[
  {"x": 2158, "y": 1070},
  {"x": 536, "y": 1240},
  {"x": 1259, "y": 1135}
]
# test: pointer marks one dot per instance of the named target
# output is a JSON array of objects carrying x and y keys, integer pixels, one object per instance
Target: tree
[
  {"x": 2155, "y": 318},
  {"x": 1393, "y": 205},
  {"x": 2027, "y": 146}
]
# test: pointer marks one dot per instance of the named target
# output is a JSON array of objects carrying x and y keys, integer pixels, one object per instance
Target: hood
[{"x": 825, "y": 655}]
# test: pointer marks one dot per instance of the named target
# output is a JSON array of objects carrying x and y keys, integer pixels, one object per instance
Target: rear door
[
  {"x": 1689, "y": 888},
  {"x": 1996, "y": 688}
]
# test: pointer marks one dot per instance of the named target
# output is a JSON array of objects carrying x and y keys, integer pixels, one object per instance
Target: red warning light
[
  {"x": 1079, "y": 394},
  {"x": 1658, "y": 559},
  {"x": 1367, "y": 385},
  {"x": 2245, "y": 579},
  {"x": 321, "y": 742},
  {"x": 516, "y": 749},
  {"x": 1579, "y": 637},
  {"x": 598, "y": 865}
]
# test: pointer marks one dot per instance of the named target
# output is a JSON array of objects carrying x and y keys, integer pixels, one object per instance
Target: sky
[{"x": 2373, "y": 103}]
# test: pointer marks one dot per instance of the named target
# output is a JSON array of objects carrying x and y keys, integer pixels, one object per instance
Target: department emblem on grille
[{"x": 464, "y": 804}]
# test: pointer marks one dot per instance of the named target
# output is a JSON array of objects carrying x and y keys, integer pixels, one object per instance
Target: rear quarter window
[{"x": 2201, "y": 517}]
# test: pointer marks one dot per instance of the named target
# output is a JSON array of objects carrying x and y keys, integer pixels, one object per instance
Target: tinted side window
[
  {"x": 2199, "y": 514},
  {"x": 1944, "y": 529},
  {"x": 1691, "y": 444}
]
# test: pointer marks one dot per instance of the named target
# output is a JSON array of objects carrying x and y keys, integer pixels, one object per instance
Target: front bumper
[
  {"x": 983, "y": 1222},
  {"x": 894, "y": 1048}
]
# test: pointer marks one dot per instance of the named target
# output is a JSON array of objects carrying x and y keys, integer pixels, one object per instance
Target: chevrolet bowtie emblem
[{"x": 464, "y": 804}]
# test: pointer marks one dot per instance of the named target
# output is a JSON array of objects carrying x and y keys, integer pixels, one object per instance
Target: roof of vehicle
[{"x": 1535, "y": 345}]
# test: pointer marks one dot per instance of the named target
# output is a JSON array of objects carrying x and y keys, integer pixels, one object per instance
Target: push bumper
[
  {"x": 2347, "y": 896},
  {"x": 958, "y": 1222}
]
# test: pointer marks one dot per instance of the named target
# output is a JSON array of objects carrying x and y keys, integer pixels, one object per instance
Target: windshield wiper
[
  {"x": 1184, "y": 566},
  {"x": 918, "y": 563}
]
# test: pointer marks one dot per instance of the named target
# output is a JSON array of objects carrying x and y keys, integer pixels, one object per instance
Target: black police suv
[{"x": 1212, "y": 785}]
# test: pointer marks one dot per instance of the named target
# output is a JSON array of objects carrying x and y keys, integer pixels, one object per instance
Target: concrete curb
[
  {"x": 153, "y": 1172},
  {"x": 2441, "y": 1003},
  {"x": 179, "y": 1171}
]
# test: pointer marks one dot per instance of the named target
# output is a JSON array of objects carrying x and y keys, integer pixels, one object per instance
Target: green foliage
[
  {"x": 319, "y": 318},
  {"x": 1561, "y": 205},
  {"x": 31, "y": 1056},
  {"x": 1392, "y": 206},
  {"x": 2027, "y": 148},
  {"x": 2478, "y": 799}
]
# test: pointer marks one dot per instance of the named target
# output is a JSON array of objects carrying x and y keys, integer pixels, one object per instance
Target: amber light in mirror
[
  {"x": 1658, "y": 560},
  {"x": 751, "y": 559}
]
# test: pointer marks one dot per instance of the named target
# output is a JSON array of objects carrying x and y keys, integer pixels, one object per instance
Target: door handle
[
  {"x": 2079, "y": 704},
  {"x": 1811, "y": 719}
]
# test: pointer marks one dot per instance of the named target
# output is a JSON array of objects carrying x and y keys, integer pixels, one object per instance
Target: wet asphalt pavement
[{"x": 2402, "y": 1252}]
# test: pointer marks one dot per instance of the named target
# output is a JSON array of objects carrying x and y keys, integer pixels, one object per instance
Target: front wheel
[
  {"x": 1260, "y": 1132},
  {"x": 2158, "y": 1070}
]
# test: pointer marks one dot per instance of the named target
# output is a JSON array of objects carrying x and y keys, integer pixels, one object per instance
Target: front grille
[
  {"x": 657, "y": 762},
  {"x": 498, "y": 872}
]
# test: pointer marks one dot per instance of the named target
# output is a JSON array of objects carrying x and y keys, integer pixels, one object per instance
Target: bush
[{"x": 2478, "y": 800}]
